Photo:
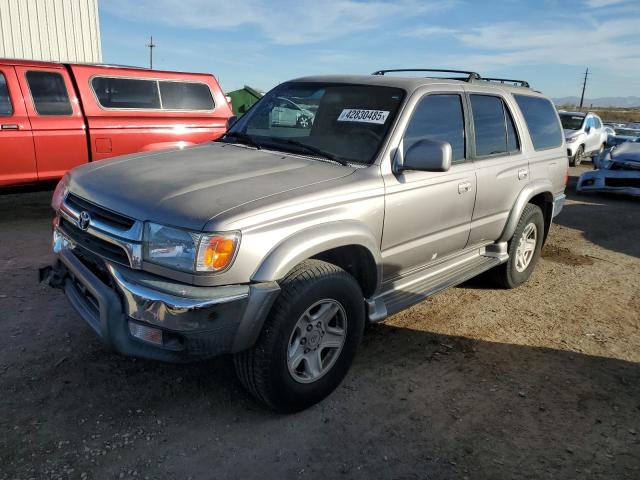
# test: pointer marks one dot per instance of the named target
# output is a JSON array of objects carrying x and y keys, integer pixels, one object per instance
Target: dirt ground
[{"x": 538, "y": 382}]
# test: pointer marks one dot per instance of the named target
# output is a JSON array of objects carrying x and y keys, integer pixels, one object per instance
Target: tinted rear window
[
  {"x": 185, "y": 96},
  {"x": 49, "y": 93},
  {"x": 494, "y": 130},
  {"x": 542, "y": 121},
  {"x": 126, "y": 93},
  {"x": 5, "y": 102},
  {"x": 151, "y": 94}
]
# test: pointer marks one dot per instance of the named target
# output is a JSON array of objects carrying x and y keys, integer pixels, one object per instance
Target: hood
[
  {"x": 571, "y": 133},
  {"x": 187, "y": 188}
]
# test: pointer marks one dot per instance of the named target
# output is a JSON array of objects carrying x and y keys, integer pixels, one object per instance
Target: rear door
[
  {"x": 17, "y": 157},
  {"x": 502, "y": 169},
  {"x": 59, "y": 133}
]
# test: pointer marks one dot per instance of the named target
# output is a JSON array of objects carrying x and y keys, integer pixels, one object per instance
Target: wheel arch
[
  {"x": 349, "y": 245},
  {"x": 537, "y": 192}
]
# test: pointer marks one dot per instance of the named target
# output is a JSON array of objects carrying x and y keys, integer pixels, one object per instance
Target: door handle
[
  {"x": 523, "y": 173},
  {"x": 10, "y": 126},
  {"x": 464, "y": 187}
]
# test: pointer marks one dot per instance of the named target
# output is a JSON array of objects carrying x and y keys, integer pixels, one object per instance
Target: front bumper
[
  {"x": 195, "y": 322},
  {"x": 625, "y": 182}
]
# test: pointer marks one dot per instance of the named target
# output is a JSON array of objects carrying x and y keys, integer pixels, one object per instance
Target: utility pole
[
  {"x": 584, "y": 87},
  {"x": 151, "y": 46}
]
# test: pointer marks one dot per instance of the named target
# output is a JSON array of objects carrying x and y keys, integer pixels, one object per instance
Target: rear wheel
[
  {"x": 524, "y": 249},
  {"x": 303, "y": 121},
  {"x": 577, "y": 157},
  {"x": 308, "y": 341}
]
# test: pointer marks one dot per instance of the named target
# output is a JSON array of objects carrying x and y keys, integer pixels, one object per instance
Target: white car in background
[
  {"x": 287, "y": 113},
  {"x": 585, "y": 135}
]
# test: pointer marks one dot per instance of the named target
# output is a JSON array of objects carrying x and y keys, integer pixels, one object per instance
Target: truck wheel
[
  {"x": 577, "y": 157},
  {"x": 309, "y": 339},
  {"x": 524, "y": 249}
]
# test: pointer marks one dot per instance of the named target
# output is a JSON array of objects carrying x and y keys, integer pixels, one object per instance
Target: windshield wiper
[
  {"x": 244, "y": 138},
  {"x": 312, "y": 149}
]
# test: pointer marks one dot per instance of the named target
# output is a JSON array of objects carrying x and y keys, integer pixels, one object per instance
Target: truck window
[
  {"x": 130, "y": 93},
  {"x": 185, "y": 96},
  {"x": 6, "y": 109},
  {"x": 49, "y": 93},
  {"x": 542, "y": 121},
  {"x": 495, "y": 132},
  {"x": 438, "y": 117}
]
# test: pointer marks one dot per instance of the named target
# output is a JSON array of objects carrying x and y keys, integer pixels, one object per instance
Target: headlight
[
  {"x": 189, "y": 251},
  {"x": 571, "y": 139},
  {"x": 60, "y": 192}
]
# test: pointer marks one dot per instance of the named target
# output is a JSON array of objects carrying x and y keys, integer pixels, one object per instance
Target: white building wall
[{"x": 56, "y": 30}]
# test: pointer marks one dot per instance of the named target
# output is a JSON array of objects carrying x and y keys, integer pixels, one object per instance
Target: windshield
[
  {"x": 347, "y": 123},
  {"x": 571, "y": 122}
]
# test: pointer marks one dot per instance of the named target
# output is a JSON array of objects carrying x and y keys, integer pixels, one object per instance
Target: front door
[
  {"x": 428, "y": 214},
  {"x": 59, "y": 132},
  {"x": 17, "y": 157}
]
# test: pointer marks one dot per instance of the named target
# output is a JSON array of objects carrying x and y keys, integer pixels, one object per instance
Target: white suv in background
[{"x": 585, "y": 135}]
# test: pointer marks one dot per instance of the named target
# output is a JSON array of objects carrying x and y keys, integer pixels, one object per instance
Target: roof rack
[
  {"x": 470, "y": 75},
  {"x": 517, "y": 83}
]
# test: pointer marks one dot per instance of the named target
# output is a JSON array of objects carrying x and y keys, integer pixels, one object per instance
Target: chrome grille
[{"x": 110, "y": 218}]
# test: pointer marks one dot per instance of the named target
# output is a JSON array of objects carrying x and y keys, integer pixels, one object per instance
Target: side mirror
[
  {"x": 428, "y": 156},
  {"x": 231, "y": 120},
  {"x": 587, "y": 130}
]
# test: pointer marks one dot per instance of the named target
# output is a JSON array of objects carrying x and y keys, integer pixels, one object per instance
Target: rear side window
[
  {"x": 495, "y": 132},
  {"x": 5, "y": 102},
  {"x": 185, "y": 96},
  {"x": 137, "y": 93},
  {"x": 49, "y": 93},
  {"x": 126, "y": 92},
  {"x": 438, "y": 117},
  {"x": 542, "y": 121}
]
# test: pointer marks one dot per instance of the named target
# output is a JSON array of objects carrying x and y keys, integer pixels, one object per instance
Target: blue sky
[{"x": 262, "y": 43}]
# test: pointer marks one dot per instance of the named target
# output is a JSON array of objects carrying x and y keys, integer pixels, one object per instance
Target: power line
[
  {"x": 584, "y": 86},
  {"x": 151, "y": 46}
]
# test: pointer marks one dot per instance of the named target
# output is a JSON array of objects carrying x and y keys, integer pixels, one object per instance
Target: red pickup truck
[{"x": 56, "y": 116}]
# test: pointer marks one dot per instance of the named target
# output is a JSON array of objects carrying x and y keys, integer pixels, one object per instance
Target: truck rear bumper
[{"x": 146, "y": 316}]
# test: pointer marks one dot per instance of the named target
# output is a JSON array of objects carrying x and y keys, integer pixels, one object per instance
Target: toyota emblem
[{"x": 84, "y": 220}]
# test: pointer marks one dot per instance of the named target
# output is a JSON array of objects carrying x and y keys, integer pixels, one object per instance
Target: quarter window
[
  {"x": 49, "y": 93},
  {"x": 542, "y": 121},
  {"x": 138, "y": 93},
  {"x": 6, "y": 109},
  {"x": 495, "y": 132},
  {"x": 438, "y": 117},
  {"x": 185, "y": 96}
]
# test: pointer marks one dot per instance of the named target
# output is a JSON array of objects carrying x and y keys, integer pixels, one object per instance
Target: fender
[
  {"x": 312, "y": 241},
  {"x": 527, "y": 193}
]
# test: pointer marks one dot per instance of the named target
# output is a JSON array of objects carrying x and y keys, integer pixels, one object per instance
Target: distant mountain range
[{"x": 616, "y": 102}]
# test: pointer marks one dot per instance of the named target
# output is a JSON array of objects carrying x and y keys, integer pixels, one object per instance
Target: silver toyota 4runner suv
[{"x": 277, "y": 244}]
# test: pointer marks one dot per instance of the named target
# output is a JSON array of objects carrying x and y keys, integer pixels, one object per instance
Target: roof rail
[
  {"x": 470, "y": 75},
  {"x": 520, "y": 83}
]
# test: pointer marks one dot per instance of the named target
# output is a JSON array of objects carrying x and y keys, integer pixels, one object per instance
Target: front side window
[
  {"x": 131, "y": 93},
  {"x": 6, "y": 109},
  {"x": 596, "y": 122},
  {"x": 542, "y": 121},
  {"x": 344, "y": 121},
  {"x": 49, "y": 93},
  {"x": 495, "y": 131},
  {"x": 438, "y": 117}
]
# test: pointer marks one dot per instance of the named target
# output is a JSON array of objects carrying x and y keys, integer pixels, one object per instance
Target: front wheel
[
  {"x": 524, "y": 249},
  {"x": 577, "y": 158},
  {"x": 309, "y": 339}
]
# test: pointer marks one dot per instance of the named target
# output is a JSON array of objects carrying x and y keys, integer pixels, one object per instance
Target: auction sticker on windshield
[{"x": 366, "y": 116}]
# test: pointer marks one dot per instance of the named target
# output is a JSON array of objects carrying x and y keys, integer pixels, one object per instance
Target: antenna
[
  {"x": 151, "y": 46},
  {"x": 584, "y": 87}
]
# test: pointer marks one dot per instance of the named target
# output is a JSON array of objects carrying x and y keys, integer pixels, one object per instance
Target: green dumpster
[{"x": 243, "y": 98}]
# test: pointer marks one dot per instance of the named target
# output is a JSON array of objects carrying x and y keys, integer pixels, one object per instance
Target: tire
[
  {"x": 267, "y": 370},
  {"x": 511, "y": 274},
  {"x": 303, "y": 121},
  {"x": 577, "y": 157}
]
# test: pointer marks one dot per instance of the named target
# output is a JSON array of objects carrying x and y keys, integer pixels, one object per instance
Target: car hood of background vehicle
[
  {"x": 187, "y": 188},
  {"x": 571, "y": 133}
]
